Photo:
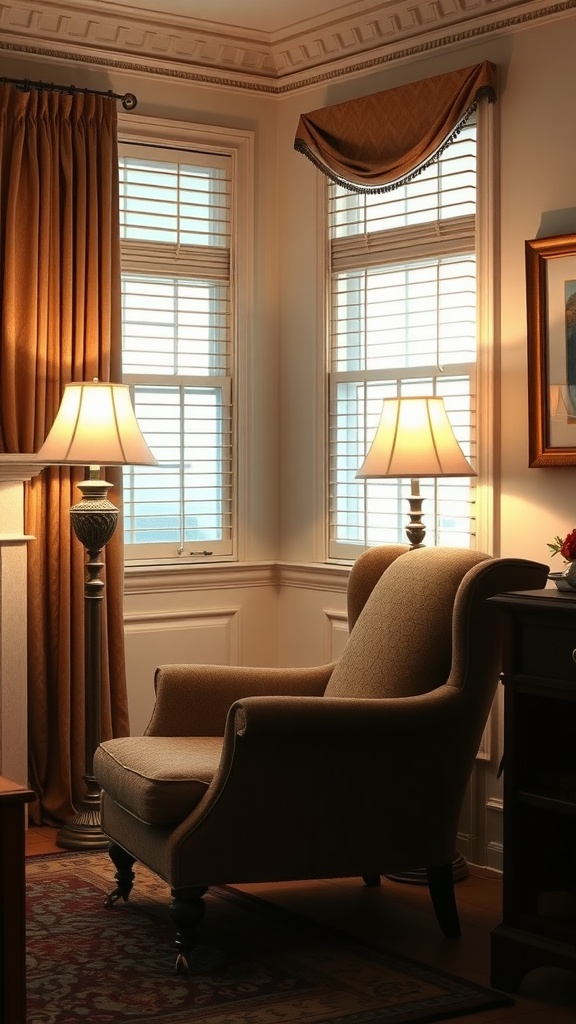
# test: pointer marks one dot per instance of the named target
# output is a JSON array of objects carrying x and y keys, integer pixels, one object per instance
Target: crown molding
[{"x": 114, "y": 36}]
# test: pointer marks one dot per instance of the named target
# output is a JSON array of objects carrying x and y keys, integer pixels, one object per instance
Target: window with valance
[{"x": 404, "y": 294}]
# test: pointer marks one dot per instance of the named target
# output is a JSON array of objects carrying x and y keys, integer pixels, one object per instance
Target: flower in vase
[{"x": 566, "y": 547}]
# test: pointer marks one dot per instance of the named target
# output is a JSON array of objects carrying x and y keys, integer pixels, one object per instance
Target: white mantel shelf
[{"x": 19, "y": 467}]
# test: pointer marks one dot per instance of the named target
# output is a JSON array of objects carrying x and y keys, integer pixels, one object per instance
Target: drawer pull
[{"x": 574, "y": 655}]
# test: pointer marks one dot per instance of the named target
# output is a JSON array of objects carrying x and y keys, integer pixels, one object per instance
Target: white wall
[
  {"x": 538, "y": 199},
  {"x": 264, "y": 611}
]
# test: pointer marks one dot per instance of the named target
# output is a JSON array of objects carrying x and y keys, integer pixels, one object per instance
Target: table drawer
[{"x": 546, "y": 652}]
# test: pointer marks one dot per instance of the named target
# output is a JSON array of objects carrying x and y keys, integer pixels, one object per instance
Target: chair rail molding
[{"x": 15, "y": 470}]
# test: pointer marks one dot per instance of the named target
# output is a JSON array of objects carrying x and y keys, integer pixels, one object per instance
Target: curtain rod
[{"x": 129, "y": 100}]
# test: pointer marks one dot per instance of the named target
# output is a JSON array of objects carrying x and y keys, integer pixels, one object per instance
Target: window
[
  {"x": 179, "y": 222},
  {"x": 403, "y": 321}
]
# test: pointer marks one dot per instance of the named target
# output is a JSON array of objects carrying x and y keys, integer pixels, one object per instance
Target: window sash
[
  {"x": 188, "y": 426},
  {"x": 177, "y": 351},
  {"x": 175, "y": 325}
]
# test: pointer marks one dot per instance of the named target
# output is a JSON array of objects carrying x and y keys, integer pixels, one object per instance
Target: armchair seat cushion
[{"x": 159, "y": 779}]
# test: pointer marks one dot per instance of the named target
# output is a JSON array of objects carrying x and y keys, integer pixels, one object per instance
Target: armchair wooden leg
[
  {"x": 124, "y": 875},
  {"x": 441, "y": 885},
  {"x": 186, "y": 910},
  {"x": 371, "y": 880}
]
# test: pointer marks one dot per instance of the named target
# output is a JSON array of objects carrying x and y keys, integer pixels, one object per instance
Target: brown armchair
[{"x": 358, "y": 768}]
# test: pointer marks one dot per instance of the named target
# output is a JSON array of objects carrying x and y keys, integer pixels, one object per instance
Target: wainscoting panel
[
  {"x": 335, "y": 634},
  {"x": 202, "y": 636}
]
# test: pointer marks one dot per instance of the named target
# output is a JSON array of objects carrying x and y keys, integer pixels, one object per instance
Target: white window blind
[
  {"x": 175, "y": 214},
  {"x": 403, "y": 322}
]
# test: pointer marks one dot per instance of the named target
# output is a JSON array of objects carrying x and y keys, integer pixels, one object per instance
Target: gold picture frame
[{"x": 551, "y": 335}]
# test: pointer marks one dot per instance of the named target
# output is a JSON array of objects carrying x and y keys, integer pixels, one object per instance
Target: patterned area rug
[{"x": 254, "y": 963}]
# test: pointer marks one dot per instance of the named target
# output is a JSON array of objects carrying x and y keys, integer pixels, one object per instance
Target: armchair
[{"x": 357, "y": 768}]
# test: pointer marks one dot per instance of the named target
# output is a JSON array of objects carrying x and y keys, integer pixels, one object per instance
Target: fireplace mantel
[{"x": 15, "y": 470}]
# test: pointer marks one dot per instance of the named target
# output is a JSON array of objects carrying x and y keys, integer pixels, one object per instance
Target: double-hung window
[
  {"x": 177, "y": 344},
  {"x": 403, "y": 321}
]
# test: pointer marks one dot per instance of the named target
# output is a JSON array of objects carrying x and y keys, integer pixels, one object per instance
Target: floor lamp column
[{"x": 94, "y": 520}]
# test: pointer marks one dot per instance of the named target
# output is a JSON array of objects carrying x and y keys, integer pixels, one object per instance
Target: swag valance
[{"x": 375, "y": 142}]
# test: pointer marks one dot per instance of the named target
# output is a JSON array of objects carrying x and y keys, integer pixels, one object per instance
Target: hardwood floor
[{"x": 401, "y": 918}]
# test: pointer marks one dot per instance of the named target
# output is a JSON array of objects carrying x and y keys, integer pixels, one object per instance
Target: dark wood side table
[
  {"x": 13, "y": 902},
  {"x": 538, "y": 927}
]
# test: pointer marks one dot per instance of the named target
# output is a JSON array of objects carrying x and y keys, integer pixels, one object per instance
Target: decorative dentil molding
[{"x": 94, "y": 32}]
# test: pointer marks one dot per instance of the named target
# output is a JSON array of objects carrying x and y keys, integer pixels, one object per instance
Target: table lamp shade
[
  {"x": 414, "y": 439},
  {"x": 96, "y": 425}
]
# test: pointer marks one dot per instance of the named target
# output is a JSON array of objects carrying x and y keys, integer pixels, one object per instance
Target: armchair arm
[
  {"x": 194, "y": 700},
  {"x": 310, "y": 783},
  {"x": 268, "y": 716}
]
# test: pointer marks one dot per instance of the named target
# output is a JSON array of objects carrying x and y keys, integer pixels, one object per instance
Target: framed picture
[{"x": 551, "y": 310}]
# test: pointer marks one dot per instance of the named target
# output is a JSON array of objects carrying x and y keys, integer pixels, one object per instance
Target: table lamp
[{"x": 414, "y": 439}]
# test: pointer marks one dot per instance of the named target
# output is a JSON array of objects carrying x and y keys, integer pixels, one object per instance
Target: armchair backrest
[
  {"x": 402, "y": 642},
  {"x": 364, "y": 575}
]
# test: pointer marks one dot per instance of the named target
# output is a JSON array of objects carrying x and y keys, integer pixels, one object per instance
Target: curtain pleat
[
  {"x": 60, "y": 321},
  {"x": 376, "y": 142}
]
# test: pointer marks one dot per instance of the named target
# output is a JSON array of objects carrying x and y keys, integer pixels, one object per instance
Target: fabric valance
[{"x": 376, "y": 142}]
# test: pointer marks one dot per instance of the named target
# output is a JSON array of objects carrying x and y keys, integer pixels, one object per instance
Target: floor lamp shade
[
  {"x": 414, "y": 439},
  {"x": 95, "y": 425}
]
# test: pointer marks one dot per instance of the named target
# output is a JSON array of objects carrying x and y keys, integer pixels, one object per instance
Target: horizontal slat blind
[
  {"x": 415, "y": 242},
  {"x": 194, "y": 260},
  {"x": 407, "y": 314},
  {"x": 443, "y": 191},
  {"x": 403, "y": 321},
  {"x": 176, "y": 327},
  {"x": 187, "y": 500},
  {"x": 175, "y": 202}
]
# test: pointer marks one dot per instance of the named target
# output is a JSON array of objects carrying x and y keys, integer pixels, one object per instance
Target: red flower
[{"x": 568, "y": 549}]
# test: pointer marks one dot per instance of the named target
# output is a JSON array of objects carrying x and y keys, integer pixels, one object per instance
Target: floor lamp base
[{"x": 84, "y": 832}]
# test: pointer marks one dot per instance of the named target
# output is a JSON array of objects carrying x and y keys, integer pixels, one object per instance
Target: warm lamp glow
[
  {"x": 96, "y": 425},
  {"x": 414, "y": 439}
]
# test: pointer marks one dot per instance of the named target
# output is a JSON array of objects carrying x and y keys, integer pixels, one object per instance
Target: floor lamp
[
  {"x": 414, "y": 439},
  {"x": 95, "y": 425}
]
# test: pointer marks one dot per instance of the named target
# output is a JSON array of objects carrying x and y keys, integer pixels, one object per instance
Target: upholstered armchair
[{"x": 357, "y": 768}]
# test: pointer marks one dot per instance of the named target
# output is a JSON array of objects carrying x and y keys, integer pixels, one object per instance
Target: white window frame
[
  {"x": 238, "y": 146},
  {"x": 487, "y": 395}
]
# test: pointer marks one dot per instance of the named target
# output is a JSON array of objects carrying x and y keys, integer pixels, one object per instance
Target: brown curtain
[
  {"x": 60, "y": 321},
  {"x": 373, "y": 143}
]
